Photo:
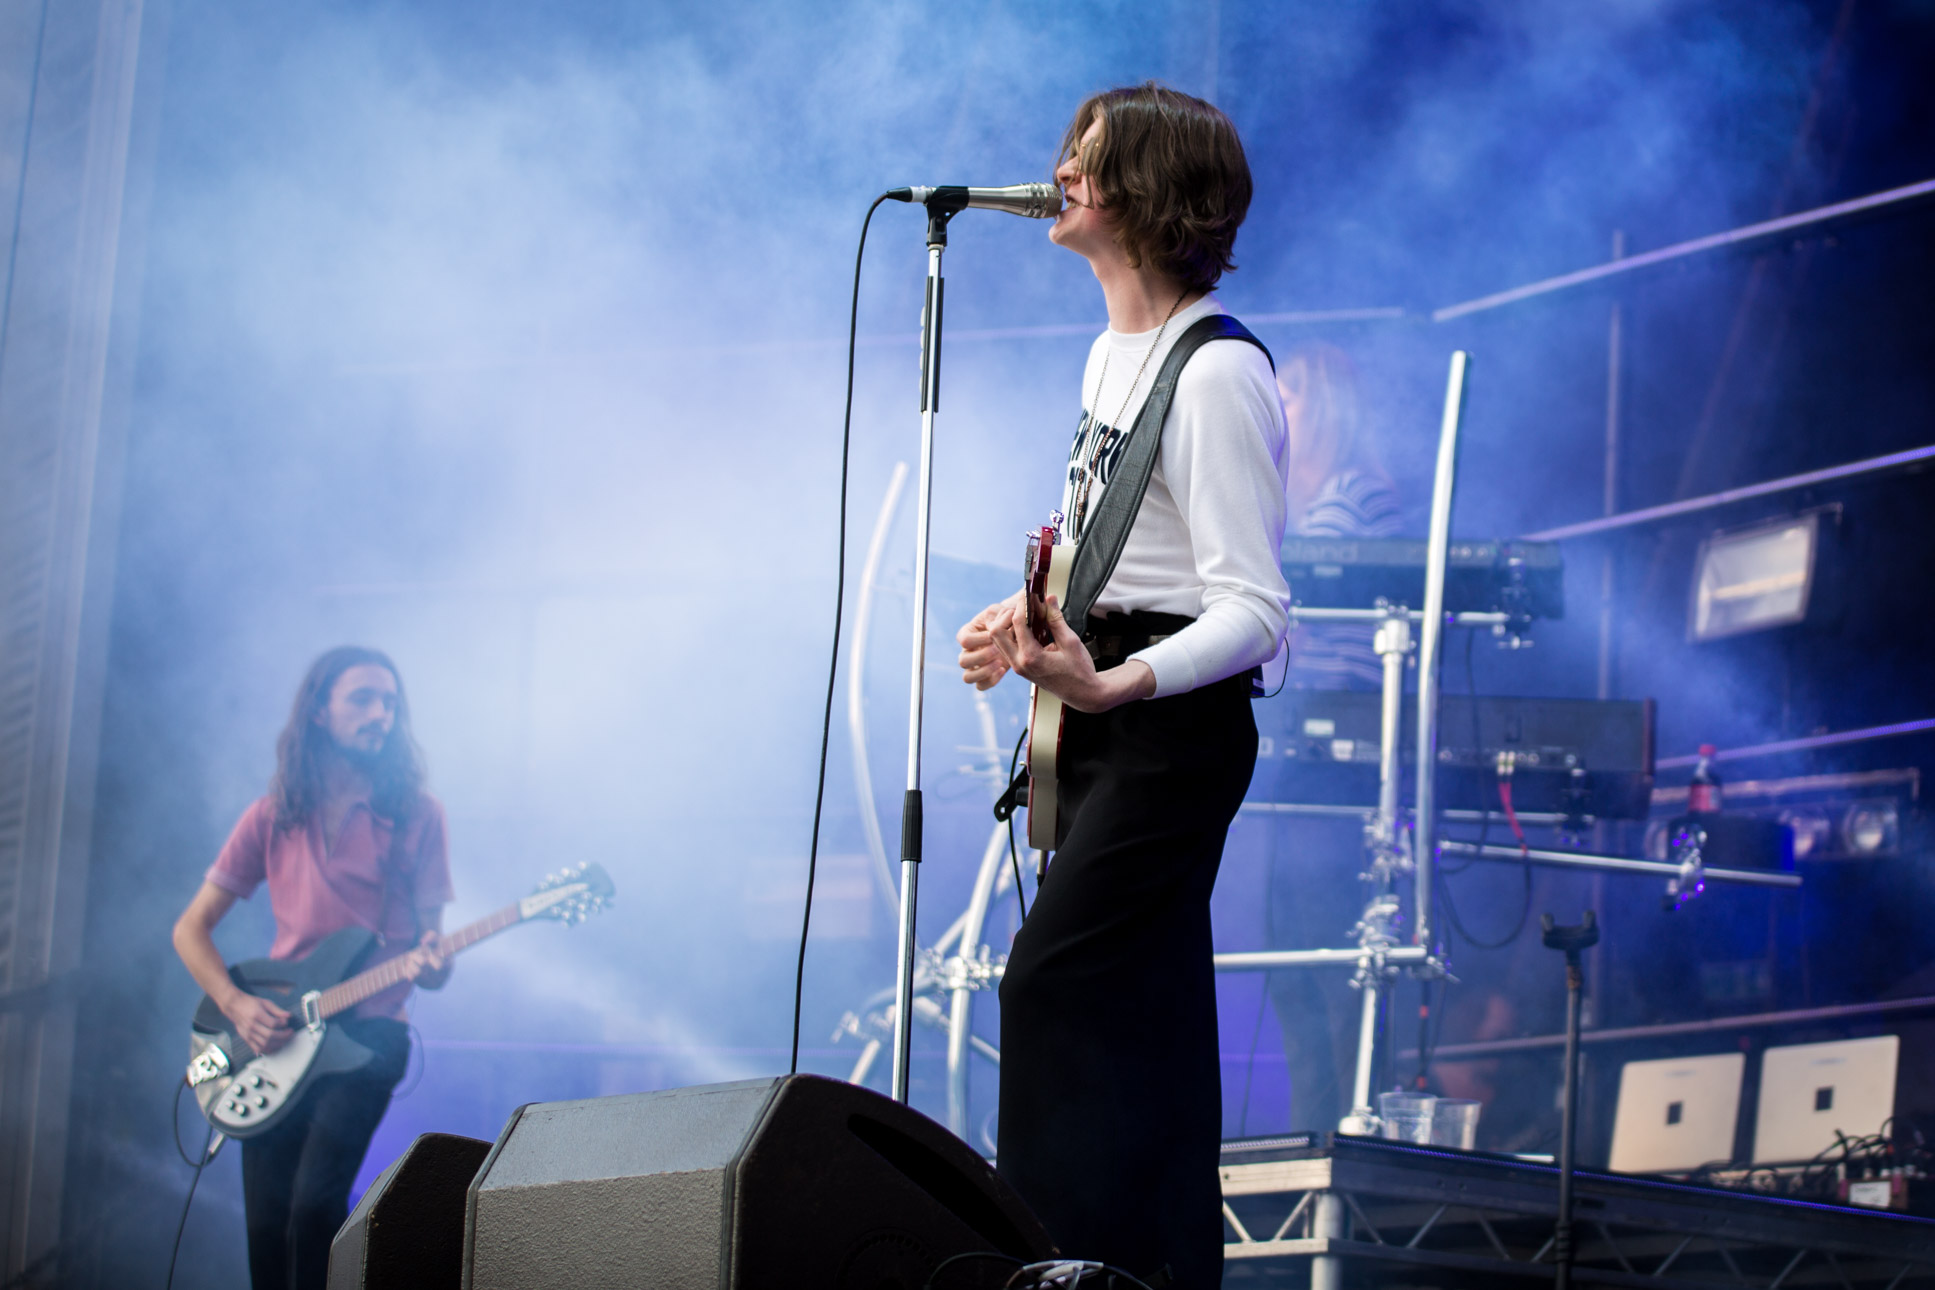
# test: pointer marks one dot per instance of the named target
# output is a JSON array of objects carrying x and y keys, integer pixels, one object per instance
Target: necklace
[{"x": 1102, "y": 440}]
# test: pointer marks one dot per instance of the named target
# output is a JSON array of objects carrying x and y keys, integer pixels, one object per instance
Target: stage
[{"x": 1332, "y": 1210}]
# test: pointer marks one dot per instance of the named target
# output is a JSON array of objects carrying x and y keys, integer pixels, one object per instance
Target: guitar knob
[
  {"x": 255, "y": 1081},
  {"x": 262, "y": 1102},
  {"x": 241, "y": 1111}
]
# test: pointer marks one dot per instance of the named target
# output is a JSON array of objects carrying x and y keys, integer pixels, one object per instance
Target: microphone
[{"x": 1035, "y": 201}]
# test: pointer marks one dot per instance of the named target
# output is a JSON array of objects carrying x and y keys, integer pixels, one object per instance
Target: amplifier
[
  {"x": 1564, "y": 756},
  {"x": 1523, "y": 578}
]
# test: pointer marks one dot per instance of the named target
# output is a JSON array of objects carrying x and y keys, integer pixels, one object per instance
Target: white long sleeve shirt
[{"x": 1205, "y": 540}]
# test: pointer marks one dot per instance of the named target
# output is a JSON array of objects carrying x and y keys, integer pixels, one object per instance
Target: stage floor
[{"x": 1348, "y": 1211}]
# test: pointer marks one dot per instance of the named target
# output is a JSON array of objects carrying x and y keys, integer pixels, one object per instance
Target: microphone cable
[{"x": 833, "y": 665}]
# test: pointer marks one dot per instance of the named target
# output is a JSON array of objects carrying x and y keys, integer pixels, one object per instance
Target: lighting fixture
[{"x": 1750, "y": 579}]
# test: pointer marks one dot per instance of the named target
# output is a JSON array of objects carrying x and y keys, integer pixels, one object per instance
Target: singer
[{"x": 1111, "y": 1105}]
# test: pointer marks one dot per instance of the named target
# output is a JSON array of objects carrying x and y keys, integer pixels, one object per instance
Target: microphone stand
[
  {"x": 940, "y": 209},
  {"x": 1573, "y": 941}
]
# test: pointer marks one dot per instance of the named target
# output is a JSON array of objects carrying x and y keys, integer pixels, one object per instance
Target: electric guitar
[
  {"x": 1045, "y": 569},
  {"x": 244, "y": 1093}
]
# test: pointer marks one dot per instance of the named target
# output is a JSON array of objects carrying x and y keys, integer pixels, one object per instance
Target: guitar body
[
  {"x": 1049, "y": 562},
  {"x": 259, "y": 1088}
]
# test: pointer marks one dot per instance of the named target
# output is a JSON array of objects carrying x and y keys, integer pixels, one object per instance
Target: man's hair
[
  {"x": 396, "y": 772},
  {"x": 1170, "y": 170}
]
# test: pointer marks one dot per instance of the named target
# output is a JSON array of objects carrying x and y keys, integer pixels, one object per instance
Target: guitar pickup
[{"x": 312, "y": 1010}]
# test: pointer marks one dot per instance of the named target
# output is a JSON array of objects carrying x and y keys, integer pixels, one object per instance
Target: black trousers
[
  {"x": 296, "y": 1177},
  {"x": 1111, "y": 1089}
]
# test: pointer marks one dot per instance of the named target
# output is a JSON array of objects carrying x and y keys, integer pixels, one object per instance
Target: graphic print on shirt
[{"x": 1096, "y": 440}]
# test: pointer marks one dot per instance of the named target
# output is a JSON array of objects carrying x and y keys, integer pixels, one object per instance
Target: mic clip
[{"x": 948, "y": 199}]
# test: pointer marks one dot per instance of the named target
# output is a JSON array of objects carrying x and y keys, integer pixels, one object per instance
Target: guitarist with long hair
[
  {"x": 1110, "y": 1077},
  {"x": 345, "y": 837}
]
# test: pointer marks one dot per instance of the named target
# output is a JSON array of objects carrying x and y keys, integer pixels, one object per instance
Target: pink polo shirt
[{"x": 314, "y": 893}]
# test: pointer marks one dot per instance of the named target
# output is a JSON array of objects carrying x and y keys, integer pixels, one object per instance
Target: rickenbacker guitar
[
  {"x": 1045, "y": 569},
  {"x": 244, "y": 1093}
]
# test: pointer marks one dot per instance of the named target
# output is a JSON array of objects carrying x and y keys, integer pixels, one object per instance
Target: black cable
[
  {"x": 174, "y": 1125},
  {"x": 951, "y": 1259},
  {"x": 1484, "y": 827},
  {"x": 182, "y": 1226},
  {"x": 1478, "y": 744},
  {"x": 1282, "y": 680},
  {"x": 1014, "y": 853},
  {"x": 1457, "y": 924},
  {"x": 833, "y": 666}
]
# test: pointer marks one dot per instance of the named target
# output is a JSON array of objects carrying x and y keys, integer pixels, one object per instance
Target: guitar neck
[{"x": 346, "y": 994}]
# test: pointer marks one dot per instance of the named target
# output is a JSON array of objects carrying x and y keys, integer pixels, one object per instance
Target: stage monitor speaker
[
  {"x": 792, "y": 1183},
  {"x": 407, "y": 1233}
]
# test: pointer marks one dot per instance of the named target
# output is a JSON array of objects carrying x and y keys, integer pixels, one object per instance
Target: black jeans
[
  {"x": 296, "y": 1177},
  {"x": 1111, "y": 1089}
]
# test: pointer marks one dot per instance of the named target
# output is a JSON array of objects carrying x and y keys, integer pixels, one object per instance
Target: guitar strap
[
  {"x": 1100, "y": 548},
  {"x": 393, "y": 873},
  {"x": 389, "y": 866}
]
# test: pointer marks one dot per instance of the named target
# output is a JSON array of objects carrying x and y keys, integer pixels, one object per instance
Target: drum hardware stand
[
  {"x": 1385, "y": 845},
  {"x": 1388, "y": 847},
  {"x": 1376, "y": 930},
  {"x": 1389, "y": 857}
]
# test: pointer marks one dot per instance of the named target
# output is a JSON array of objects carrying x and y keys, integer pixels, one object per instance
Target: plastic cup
[
  {"x": 1406, "y": 1116},
  {"x": 1454, "y": 1123}
]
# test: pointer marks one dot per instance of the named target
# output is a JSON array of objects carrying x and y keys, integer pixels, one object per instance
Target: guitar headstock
[{"x": 571, "y": 895}]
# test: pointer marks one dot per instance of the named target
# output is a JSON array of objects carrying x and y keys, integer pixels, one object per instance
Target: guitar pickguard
[{"x": 247, "y": 1101}]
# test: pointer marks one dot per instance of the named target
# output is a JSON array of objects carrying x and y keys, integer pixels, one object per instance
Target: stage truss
[{"x": 1334, "y": 1211}]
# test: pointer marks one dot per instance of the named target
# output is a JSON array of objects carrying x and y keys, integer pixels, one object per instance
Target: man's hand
[
  {"x": 427, "y": 964},
  {"x": 261, "y": 1025},
  {"x": 1063, "y": 668},
  {"x": 981, "y": 664}
]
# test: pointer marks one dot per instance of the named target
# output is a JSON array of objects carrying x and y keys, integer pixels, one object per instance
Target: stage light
[
  {"x": 1750, "y": 579},
  {"x": 1813, "y": 832},
  {"x": 1871, "y": 828}
]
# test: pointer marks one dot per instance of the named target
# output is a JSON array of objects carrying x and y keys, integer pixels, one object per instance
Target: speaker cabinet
[
  {"x": 796, "y": 1182},
  {"x": 407, "y": 1233}
]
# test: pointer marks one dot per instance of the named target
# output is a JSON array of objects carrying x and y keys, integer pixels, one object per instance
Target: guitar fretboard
[{"x": 345, "y": 995}]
